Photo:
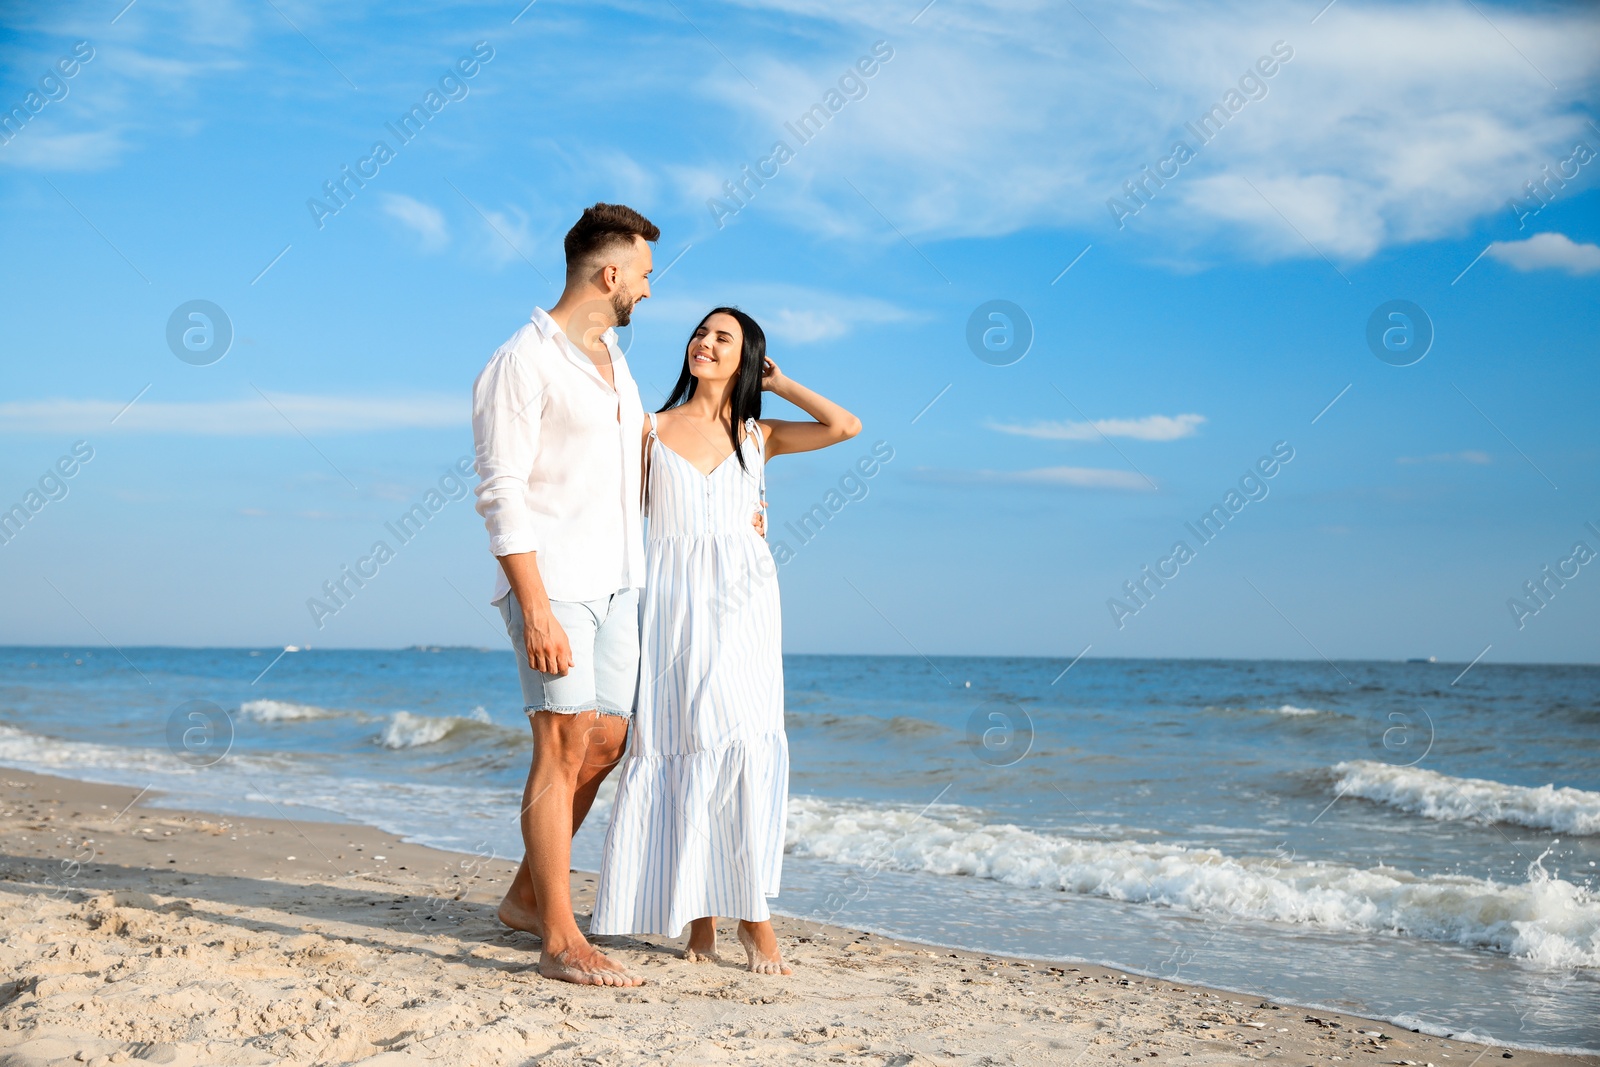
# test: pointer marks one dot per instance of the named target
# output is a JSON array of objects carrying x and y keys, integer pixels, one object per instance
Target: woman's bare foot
[
  {"x": 583, "y": 964},
  {"x": 520, "y": 914},
  {"x": 702, "y": 946},
  {"x": 761, "y": 946}
]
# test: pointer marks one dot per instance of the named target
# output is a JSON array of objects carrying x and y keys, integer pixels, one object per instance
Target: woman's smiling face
[{"x": 716, "y": 348}]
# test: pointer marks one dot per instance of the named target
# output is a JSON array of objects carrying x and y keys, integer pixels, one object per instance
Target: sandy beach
[{"x": 131, "y": 933}]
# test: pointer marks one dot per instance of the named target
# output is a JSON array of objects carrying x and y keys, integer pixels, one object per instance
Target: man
[{"x": 557, "y": 421}]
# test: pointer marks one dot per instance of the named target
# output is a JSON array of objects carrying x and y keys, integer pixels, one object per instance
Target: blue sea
[{"x": 1398, "y": 840}]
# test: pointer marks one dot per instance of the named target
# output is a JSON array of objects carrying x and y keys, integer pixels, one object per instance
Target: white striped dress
[{"x": 698, "y": 823}]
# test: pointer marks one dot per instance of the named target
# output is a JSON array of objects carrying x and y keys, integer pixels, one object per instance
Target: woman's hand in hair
[
  {"x": 772, "y": 378},
  {"x": 831, "y": 423}
]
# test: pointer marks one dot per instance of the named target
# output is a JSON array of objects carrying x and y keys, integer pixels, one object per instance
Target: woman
[{"x": 698, "y": 824}]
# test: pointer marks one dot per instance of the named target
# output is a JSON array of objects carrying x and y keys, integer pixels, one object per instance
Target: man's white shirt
[{"x": 558, "y": 458}]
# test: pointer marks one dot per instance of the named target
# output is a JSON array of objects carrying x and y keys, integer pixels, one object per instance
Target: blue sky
[{"x": 1381, "y": 160}]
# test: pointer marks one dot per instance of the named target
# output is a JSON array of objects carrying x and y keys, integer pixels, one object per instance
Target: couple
[{"x": 569, "y": 468}]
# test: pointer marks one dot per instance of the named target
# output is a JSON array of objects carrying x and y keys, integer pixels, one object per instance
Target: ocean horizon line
[{"x": 431, "y": 648}]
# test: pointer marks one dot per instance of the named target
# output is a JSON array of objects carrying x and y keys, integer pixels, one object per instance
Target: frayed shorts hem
[
  {"x": 579, "y": 709},
  {"x": 604, "y": 674}
]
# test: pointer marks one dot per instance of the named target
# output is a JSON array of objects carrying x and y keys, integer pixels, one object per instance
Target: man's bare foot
[
  {"x": 761, "y": 946},
  {"x": 583, "y": 964},
  {"x": 702, "y": 946},
  {"x": 520, "y": 916}
]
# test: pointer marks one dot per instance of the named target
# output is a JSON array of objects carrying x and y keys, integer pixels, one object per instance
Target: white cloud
[
  {"x": 286, "y": 414},
  {"x": 789, "y": 314},
  {"x": 618, "y": 177},
  {"x": 508, "y": 235},
  {"x": 140, "y": 71},
  {"x": 1148, "y": 428},
  {"x": 805, "y": 325},
  {"x": 798, "y": 316},
  {"x": 424, "y": 220},
  {"x": 41, "y": 150},
  {"x": 530, "y": 225},
  {"x": 1547, "y": 251},
  {"x": 1391, "y": 123},
  {"x": 1060, "y": 477}
]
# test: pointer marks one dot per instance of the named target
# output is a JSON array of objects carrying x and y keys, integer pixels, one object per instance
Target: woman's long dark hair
[{"x": 746, "y": 384}]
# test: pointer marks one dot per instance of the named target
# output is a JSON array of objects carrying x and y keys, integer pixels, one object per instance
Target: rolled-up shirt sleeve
[{"x": 506, "y": 414}]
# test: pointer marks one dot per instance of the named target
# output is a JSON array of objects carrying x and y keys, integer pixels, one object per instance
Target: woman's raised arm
[{"x": 832, "y": 423}]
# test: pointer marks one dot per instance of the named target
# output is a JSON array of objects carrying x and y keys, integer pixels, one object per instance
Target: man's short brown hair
[{"x": 602, "y": 228}]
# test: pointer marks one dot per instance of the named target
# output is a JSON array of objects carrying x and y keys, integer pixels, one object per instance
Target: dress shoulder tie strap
[
  {"x": 753, "y": 432},
  {"x": 649, "y": 453}
]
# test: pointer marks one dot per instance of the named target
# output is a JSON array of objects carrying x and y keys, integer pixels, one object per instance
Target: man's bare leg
[
  {"x": 761, "y": 947},
  {"x": 520, "y": 908},
  {"x": 702, "y": 946},
  {"x": 563, "y": 745}
]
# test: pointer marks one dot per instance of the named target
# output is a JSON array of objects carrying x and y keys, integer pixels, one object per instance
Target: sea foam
[
  {"x": 281, "y": 711},
  {"x": 1545, "y": 920},
  {"x": 408, "y": 730},
  {"x": 1440, "y": 796}
]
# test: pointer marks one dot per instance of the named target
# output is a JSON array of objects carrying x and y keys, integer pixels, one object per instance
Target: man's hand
[{"x": 546, "y": 642}]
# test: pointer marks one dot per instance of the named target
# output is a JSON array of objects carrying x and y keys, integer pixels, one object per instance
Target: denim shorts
[{"x": 604, "y": 635}]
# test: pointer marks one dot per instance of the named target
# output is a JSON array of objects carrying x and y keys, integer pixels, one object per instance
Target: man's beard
[{"x": 622, "y": 305}]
